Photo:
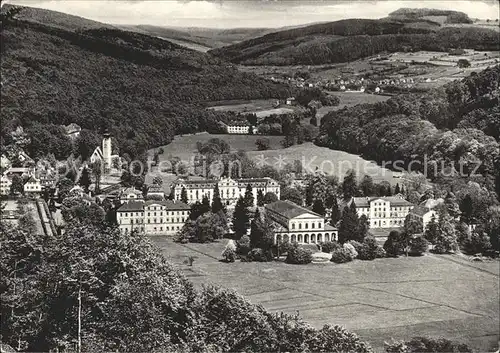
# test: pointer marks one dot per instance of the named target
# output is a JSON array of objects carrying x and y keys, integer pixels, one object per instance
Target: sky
[{"x": 246, "y": 13}]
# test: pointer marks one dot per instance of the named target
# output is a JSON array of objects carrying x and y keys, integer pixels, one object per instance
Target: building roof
[
  {"x": 238, "y": 123},
  {"x": 394, "y": 200},
  {"x": 155, "y": 188},
  {"x": 420, "y": 211},
  {"x": 170, "y": 204},
  {"x": 431, "y": 203},
  {"x": 131, "y": 191},
  {"x": 132, "y": 206},
  {"x": 288, "y": 209},
  {"x": 72, "y": 128},
  {"x": 32, "y": 180}
]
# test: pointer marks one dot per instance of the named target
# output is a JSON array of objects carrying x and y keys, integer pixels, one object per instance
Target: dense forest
[
  {"x": 449, "y": 130},
  {"x": 352, "y": 39},
  {"x": 143, "y": 89}
]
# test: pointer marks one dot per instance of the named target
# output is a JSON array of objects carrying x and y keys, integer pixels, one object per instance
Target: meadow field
[
  {"x": 260, "y": 107},
  {"x": 438, "y": 296},
  {"x": 350, "y": 99}
]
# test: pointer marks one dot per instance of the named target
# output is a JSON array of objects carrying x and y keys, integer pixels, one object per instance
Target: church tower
[{"x": 106, "y": 151}]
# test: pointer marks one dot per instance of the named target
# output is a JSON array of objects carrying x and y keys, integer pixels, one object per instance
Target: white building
[
  {"x": 104, "y": 155},
  {"x": 5, "y": 183},
  {"x": 131, "y": 194},
  {"x": 73, "y": 130},
  {"x": 155, "y": 190},
  {"x": 239, "y": 128},
  {"x": 33, "y": 186},
  {"x": 290, "y": 101},
  {"x": 230, "y": 189},
  {"x": 423, "y": 215},
  {"x": 295, "y": 223},
  {"x": 383, "y": 212},
  {"x": 152, "y": 217}
]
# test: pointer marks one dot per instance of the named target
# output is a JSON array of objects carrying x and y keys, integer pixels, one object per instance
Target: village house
[
  {"x": 5, "y": 183},
  {"x": 423, "y": 215},
  {"x": 230, "y": 189},
  {"x": 33, "y": 187},
  {"x": 105, "y": 155},
  {"x": 152, "y": 217},
  {"x": 73, "y": 130},
  {"x": 290, "y": 101},
  {"x": 294, "y": 223},
  {"x": 383, "y": 212}
]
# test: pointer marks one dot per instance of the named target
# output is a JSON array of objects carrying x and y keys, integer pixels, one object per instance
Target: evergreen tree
[
  {"x": 241, "y": 220},
  {"x": 184, "y": 195},
  {"x": 260, "y": 198},
  {"x": 410, "y": 229},
  {"x": 388, "y": 191},
  {"x": 349, "y": 185},
  {"x": 262, "y": 234},
  {"x": 335, "y": 214},
  {"x": 467, "y": 209},
  {"x": 84, "y": 180},
  {"x": 196, "y": 210},
  {"x": 366, "y": 185},
  {"x": 431, "y": 230},
  {"x": 249, "y": 199},
  {"x": 318, "y": 207},
  {"x": 216, "y": 200},
  {"x": 397, "y": 190},
  {"x": 446, "y": 240},
  {"x": 363, "y": 228},
  {"x": 451, "y": 204},
  {"x": 349, "y": 224},
  {"x": 205, "y": 204}
]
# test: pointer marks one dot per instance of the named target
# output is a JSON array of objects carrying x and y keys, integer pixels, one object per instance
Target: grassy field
[
  {"x": 331, "y": 162},
  {"x": 438, "y": 296},
  {"x": 350, "y": 99},
  {"x": 260, "y": 107}
]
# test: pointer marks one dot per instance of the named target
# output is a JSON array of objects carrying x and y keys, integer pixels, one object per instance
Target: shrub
[
  {"x": 368, "y": 249},
  {"x": 284, "y": 247},
  {"x": 259, "y": 255},
  {"x": 425, "y": 344},
  {"x": 298, "y": 256},
  {"x": 351, "y": 249},
  {"x": 418, "y": 246},
  {"x": 380, "y": 252},
  {"x": 392, "y": 245},
  {"x": 356, "y": 244},
  {"x": 243, "y": 245},
  {"x": 341, "y": 255},
  {"x": 330, "y": 246},
  {"x": 229, "y": 255},
  {"x": 477, "y": 243}
]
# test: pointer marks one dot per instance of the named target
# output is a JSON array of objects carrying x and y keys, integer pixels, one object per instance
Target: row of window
[
  {"x": 155, "y": 229},
  {"x": 174, "y": 213},
  {"x": 306, "y": 225},
  {"x": 149, "y": 220}
]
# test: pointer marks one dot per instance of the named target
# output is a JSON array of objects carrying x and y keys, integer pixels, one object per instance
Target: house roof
[
  {"x": 394, "y": 200},
  {"x": 131, "y": 191},
  {"x": 431, "y": 203},
  {"x": 420, "y": 211},
  {"x": 32, "y": 180},
  {"x": 288, "y": 209},
  {"x": 98, "y": 152},
  {"x": 133, "y": 206},
  {"x": 170, "y": 204}
]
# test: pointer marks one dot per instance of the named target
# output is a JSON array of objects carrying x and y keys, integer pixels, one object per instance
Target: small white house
[
  {"x": 5, "y": 183},
  {"x": 33, "y": 186},
  {"x": 290, "y": 101}
]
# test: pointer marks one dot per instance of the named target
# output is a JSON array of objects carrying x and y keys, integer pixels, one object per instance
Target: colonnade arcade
[{"x": 305, "y": 238}]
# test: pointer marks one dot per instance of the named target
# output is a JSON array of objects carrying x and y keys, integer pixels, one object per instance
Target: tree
[
  {"x": 397, "y": 190},
  {"x": 17, "y": 186},
  {"x": 393, "y": 246},
  {"x": 260, "y": 198},
  {"x": 366, "y": 186},
  {"x": 450, "y": 201},
  {"x": 262, "y": 144},
  {"x": 431, "y": 230},
  {"x": 262, "y": 234},
  {"x": 335, "y": 213},
  {"x": 269, "y": 197},
  {"x": 216, "y": 200},
  {"x": 64, "y": 185},
  {"x": 249, "y": 199},
  {"x": 318, "y": 207},
  {"x": 467, "y": 209},
  {"x": 205, "y": 205},
  {"x": 349, "y": 185},
  {"x": 157, "y": 180},
  {"x": 446, "y": 240},
  {"x": 463, "y": 63},
  {"x": 349, "y": 224},
  {"x": 363, "y": 227},
  {"x": 184, "y": 195},
  {"x": 292, "y": 194},
  {"x": 84, "y": 180},
  {"x": 241, "y": 220},
  {"x": 96, "y": 168},
  {"x": 410, "y": 229}
]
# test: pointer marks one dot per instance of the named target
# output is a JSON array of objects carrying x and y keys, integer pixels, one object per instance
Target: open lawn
[
  {"x": 350, "y": 99},
  {"x": 439, "y": 296},
  {"x": 329, "y": 161},
  {"x": 260, "y": 107}
]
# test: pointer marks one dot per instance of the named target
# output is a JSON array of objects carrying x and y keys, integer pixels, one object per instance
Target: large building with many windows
[
  {"x": 152, "y": 217},
  {"x": 230, "y": 189},
  {"x": 383, "y": 212},
  {"x": 295, "y": 223}
]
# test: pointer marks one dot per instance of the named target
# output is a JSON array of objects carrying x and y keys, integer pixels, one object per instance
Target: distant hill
[
  {"x": 352, "y": 39},
  {"x": 144, "y": 89}
]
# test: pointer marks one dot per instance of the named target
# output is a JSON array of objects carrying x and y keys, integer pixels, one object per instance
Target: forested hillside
[
  {"x": 352, "y": 39},
  {"x": 144, "y": 89},
  {"x": 455, "y": 126}
]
